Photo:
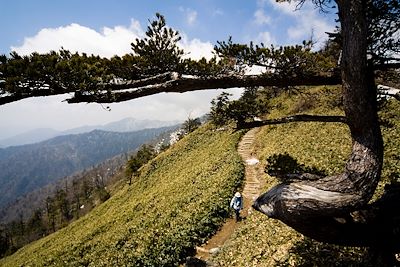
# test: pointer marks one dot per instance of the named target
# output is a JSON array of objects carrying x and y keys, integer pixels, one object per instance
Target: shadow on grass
[{"x": 309, "y": 253}]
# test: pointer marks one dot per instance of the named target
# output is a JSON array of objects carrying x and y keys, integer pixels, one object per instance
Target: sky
[{"x": 107, "y": 28}]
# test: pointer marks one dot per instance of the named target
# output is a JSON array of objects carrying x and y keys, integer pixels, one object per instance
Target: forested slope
[
  {"x": 29, "y": 167},
  {"x": 179, "y": 199}
]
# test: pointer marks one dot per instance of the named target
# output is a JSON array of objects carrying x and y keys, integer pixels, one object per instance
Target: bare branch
[
  {"x": 124, "y": 92},
  {"x": 34, "y": 93},
  {"x": 387, "y": 66},
  {"x": 294, "y": 118},
  {"x": 395, "y": 96},
  {"x": 157, "y": 79}
]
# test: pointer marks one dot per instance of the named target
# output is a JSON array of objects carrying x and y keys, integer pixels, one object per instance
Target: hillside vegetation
[
  {"x": 179, "y": 199},
  {"x": 261, "y": 241}
]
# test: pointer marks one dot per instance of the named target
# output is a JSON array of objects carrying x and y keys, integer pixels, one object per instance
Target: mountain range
[
  {"x": 28, "y": 167},
  {"x": 124, "y": 125}
]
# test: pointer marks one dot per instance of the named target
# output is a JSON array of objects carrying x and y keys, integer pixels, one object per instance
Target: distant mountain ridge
[
  {"x": 25, "y": 168},
  {"x": 124, "y": 125}
]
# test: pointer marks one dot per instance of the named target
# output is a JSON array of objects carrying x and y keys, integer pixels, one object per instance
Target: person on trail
[{"x": 237, "y": 204}]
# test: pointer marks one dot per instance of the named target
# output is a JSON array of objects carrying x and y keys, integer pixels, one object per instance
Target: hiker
[{"x": 237, "y": 205}]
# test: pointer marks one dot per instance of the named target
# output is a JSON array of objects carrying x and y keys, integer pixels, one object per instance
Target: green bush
[{"x": 224, "y": 111}]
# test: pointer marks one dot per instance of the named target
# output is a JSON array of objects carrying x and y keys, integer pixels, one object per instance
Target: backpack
[{"x": 237, "y": 203}]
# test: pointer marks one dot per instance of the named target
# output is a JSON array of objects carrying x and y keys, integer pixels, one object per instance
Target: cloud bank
[
  {"x": 308, "y": 23},
  {"x": 106, "y": 43},
  {"x": 51, "y": 112},
  {"x": 77, "y": 38},
  {"x": 190, "y": 15},
  {"x": 303, "y": 23}
]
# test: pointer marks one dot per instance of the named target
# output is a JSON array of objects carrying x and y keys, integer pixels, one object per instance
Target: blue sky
[{"x": 108, "y": 27}]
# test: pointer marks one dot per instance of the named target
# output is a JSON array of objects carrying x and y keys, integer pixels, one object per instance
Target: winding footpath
[
  {"x": 251, "y": 190},
  {"x": 252, "y": 187}
]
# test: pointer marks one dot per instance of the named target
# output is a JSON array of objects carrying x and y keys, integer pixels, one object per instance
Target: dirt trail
[{"x": 251, "y": 190}]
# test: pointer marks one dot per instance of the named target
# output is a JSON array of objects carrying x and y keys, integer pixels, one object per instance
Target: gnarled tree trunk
[{"x": 335, "y": 209}]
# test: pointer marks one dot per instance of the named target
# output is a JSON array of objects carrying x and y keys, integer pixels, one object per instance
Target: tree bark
[
  {"x": 181, "y": 83},
  {"x": 335, "y": 209}
]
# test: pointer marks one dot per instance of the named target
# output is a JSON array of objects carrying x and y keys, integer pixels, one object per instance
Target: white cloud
[
  {"x": 107, "y": 43},
  {"x": 260, "y": 18},
  {"x": 51, "y": 112},
  {"x": 309, "y": 24},
  {"x": 196, "y": 49},
  {"x": 218, "y": 12},
  {"x": 306, "y": 19},
  {"x": 190, "y": 15},
  {"x": 74, "y": 37},
  {"x": 266, "y": 38},
  {"x": 284, "y": 7}
]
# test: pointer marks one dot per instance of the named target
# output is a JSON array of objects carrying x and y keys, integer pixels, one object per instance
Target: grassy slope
[
  {"x": 179, "y": 199},
  {"x": 266, "y": 242}
]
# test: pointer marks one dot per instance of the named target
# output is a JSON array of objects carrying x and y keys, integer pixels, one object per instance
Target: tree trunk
[{"x": 335, "y": 209}]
